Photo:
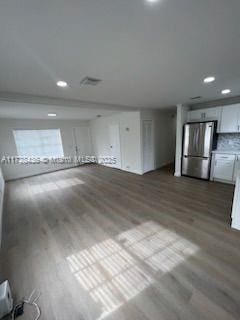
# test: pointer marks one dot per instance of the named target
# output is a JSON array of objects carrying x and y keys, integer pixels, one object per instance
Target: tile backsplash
[{"x": 228, "y": 142}]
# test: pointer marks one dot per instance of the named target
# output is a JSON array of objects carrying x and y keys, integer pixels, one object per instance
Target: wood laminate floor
[{"x": 100, "y": 243}]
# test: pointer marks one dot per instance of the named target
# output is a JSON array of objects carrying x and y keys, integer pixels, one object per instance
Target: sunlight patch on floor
[
  {"x": 157, "y": 246},
  {"x": 110, "y": 275},
  {"x": 111, "y": 272},
  {"x": 52, "y": 186}
]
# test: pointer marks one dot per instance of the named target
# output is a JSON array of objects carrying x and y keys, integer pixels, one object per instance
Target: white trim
[
  {"x": 53, "y": 101},
  {"x": 177, "y": 174},
  {"x": 223, "y": 181},
  {"x": 120, "y": 144},
  {"x": 163, "y": 164},
  {"x": 181, "y": 120},
  {"x": 1, "y": 211},
  {"x": 236, "y": 204},
  {"x": 153, "y": 145},
  {"x": 44, "y": 172}
]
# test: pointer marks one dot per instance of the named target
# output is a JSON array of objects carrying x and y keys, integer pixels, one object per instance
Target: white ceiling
[{"x": 147, "y": 55}]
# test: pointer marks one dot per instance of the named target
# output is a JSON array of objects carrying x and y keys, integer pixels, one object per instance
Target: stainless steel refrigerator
[{"x": 199, "y": 140}]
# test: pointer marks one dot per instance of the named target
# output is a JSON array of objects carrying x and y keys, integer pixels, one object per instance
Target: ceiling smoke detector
[{"x": 88, "y": 81}]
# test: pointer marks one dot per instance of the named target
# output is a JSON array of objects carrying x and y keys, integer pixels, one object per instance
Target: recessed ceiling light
[
  {"x": 52, "y": 114},
  {"x": 226, "y": 91},
  {"x": 209, "y": 79},
  {"x": 62, "y": 84},
  {"x": 152, "y": 1}
]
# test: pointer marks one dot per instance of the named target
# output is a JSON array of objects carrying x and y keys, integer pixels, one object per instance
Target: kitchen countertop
[{"x": 226, "y": 152}]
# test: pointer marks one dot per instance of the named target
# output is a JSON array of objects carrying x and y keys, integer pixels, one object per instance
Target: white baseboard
[
  {"x": 164, "y": 164},
  {"x": 41, "y": 173},
  {"x": 177, "y": 174},
  {"x": 222, "y": 181},
  {"x": 235, "y": 225},
  {"x": 122, "y": 169}
]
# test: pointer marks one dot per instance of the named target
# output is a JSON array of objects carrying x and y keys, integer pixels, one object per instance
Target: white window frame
[{"x": 20, "y": 147}]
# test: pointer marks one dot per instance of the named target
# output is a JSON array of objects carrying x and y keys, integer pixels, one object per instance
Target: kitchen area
[
  {"x": 211, "y": 149},
  {"x": 221, "y": 145}
]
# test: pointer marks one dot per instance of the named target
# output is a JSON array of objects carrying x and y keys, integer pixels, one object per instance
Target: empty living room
[{"x": 119, "y": 160}]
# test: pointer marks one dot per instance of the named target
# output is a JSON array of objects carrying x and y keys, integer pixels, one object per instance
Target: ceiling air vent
[
  {"x": 88, "y": 81},
  {"x": 196, "y": 98}
]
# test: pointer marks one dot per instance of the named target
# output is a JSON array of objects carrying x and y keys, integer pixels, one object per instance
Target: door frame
[
  {"x": 75, "y": 145},
  {"x": 153, "y": 144},
  {"x": 120, "y": 147}
]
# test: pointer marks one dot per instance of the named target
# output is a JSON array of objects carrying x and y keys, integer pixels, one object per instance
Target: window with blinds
[{"x": 39, "y": 143}]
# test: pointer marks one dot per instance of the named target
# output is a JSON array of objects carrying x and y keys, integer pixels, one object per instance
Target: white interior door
[
  {"x": 83, "y": 141},
  {"x": 115, "y": 148},
  {"x": 147, "y": 146}
]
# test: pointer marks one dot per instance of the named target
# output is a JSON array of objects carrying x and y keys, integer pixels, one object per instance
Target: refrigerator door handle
[
  {"x": 189, "y": 157},
  {"x": 197, "y": 139}
]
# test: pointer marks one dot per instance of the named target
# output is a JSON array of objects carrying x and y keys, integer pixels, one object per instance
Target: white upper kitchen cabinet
[
  {"x": 204, "y": 114},
  {"x": 228, "y": 117},
  {"x": 208, "y": 114},
  {"x": 212, "y": 114},
  {"x": 195, "y": 115},
  {"x": 230, "y": 121}
]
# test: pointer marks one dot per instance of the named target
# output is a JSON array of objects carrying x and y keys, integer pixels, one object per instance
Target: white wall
[
  {"x": 130, "y": 140},
  {"x": 164, "y": 127},
  {"x": 181, "y": 119},
  {"x": 8, "y": 147},
  {"x": 2, "y": 185},
  {"x": 129, "y": 123}
]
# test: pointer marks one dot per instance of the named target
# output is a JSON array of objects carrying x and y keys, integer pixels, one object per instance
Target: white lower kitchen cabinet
[
  {"x": 223, "y": 166},
  {"x": 236, "y": 167}
]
